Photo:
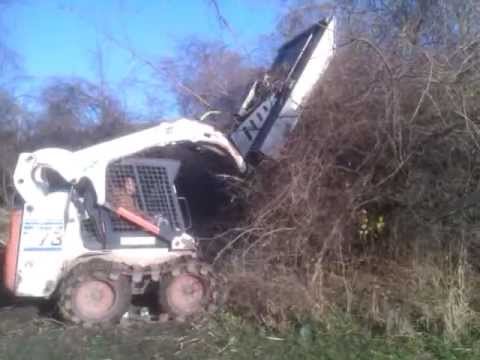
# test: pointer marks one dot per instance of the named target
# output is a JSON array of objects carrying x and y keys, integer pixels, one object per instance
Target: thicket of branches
[{"x": 373, "y": 209}]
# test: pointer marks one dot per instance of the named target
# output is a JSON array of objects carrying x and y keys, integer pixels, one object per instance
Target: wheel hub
[
  {"x": 185, "y": 294},
  {"x": 94, "y": 299}
]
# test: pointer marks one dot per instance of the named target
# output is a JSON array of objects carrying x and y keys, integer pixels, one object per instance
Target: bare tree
[
  {"x": 212, "y": 70},
  {"x": 11, "y": 136},
  {"x": 76, "y": 113},
  {"x": 9, "y": 59}
]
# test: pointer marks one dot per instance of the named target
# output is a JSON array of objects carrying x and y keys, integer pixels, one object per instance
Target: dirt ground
[
  {"x": 24, "y": 336},
  {"x": 27, "y": 331}
]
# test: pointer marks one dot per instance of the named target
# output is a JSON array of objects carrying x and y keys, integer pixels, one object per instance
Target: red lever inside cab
[{"x": 138, "y": 220}]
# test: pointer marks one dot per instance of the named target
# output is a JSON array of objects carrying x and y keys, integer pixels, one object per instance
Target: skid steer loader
[{"x": 113, "y": 220}]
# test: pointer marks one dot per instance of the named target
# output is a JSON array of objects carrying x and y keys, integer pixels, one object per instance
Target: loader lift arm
[{"x": 274, "y": 104}]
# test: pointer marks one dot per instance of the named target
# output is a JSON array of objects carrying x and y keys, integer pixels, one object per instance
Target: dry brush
[{"x": 373, "y": 209}]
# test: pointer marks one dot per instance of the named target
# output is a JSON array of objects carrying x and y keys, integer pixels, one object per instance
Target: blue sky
[{"x": 61, "y": 38}]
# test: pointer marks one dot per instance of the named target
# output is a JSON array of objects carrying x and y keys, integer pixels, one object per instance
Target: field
[
  {"x": 26, "y": 333},
  {"x": 23, "y": 335}
]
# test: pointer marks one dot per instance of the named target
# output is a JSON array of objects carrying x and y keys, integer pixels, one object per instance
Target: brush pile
[{"x": 374, "y": 209}]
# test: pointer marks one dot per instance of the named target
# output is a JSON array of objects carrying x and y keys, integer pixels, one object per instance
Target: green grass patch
[{"x": 227, "y": 337}]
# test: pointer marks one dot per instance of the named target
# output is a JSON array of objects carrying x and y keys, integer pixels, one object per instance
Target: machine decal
[
  {"x": 42, "y": 235},
  {"x": 137, "y": 240},
  {"x": 248, "y": 131}
]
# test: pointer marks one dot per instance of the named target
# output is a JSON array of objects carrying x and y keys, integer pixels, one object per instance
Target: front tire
[
  {"x": 189, "y": 290},
  {"x": 89, "y": 295}
]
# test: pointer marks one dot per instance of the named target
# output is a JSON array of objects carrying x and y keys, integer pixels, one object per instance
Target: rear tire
[{"x": 90, "y": 296}]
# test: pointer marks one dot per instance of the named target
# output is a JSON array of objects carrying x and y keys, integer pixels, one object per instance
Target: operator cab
[{"x": 157, "y": 195}]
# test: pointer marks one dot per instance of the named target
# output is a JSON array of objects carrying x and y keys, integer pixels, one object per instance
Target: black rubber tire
[
  {"x": 213, "y": 299},
  {"x": 97, "y": 270}
]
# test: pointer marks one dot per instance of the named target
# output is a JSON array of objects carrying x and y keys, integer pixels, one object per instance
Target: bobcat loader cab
[{"x": 74, "y": 241}]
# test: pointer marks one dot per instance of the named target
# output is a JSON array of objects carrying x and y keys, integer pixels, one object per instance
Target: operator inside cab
[{"x": 124, "y": 195}]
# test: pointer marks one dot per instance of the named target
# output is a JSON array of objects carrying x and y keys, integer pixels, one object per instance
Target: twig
[
  {"x": 155, "y": 68},
  {"x": 233, "y": 242},
  {"x": 265, "y": 235},
  {"x": 378, "y": 51},
  {"x": 220, "y": 17},
  {"x": 425, "y": 91}
]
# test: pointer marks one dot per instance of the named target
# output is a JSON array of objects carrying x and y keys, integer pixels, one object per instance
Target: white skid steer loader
[{"x": 114, "y": 220}]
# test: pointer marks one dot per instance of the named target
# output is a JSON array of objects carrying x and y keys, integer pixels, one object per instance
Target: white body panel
[
  {"x": 92, "y": 162},
  {"x": 291, "y": 111},
  {"x": 247, "y": 137},
  {"x": 49, "y": 247},
  {"x": 246, "y": 133},
  {"x": 43, "y": 249}
]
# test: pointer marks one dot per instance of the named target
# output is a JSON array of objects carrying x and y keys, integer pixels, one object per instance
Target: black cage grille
[
  {"x": 144, "y": 188},
  {"x": 158, "y": 196}
]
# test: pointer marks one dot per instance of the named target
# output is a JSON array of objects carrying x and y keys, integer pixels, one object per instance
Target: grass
[
  {"x": 345, "y": 340},
  {"x": 226, "y": 337}
]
